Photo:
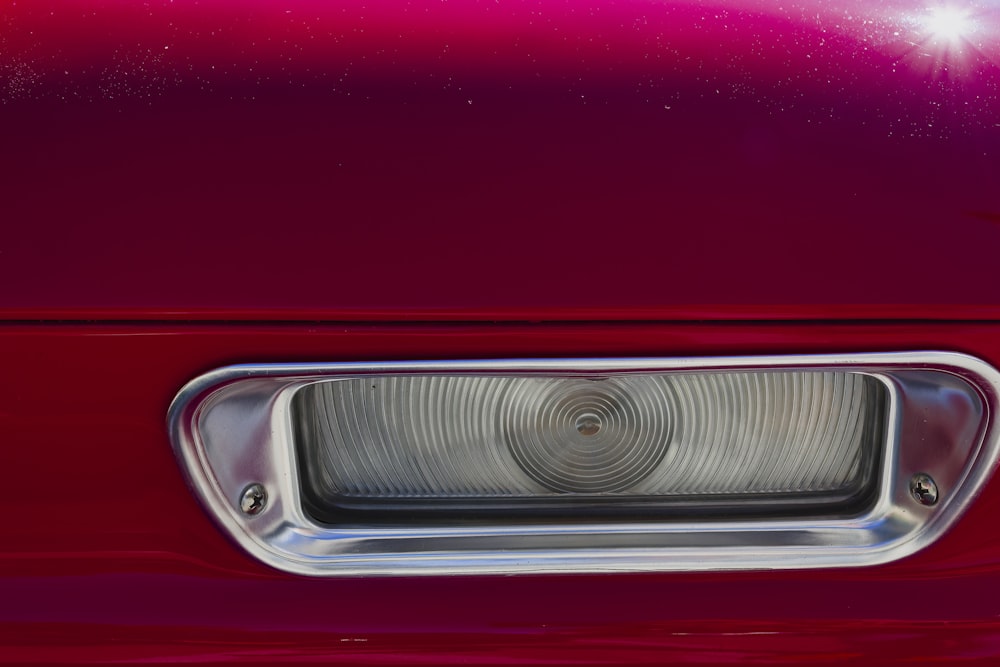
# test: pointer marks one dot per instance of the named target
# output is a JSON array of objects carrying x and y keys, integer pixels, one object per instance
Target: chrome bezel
[{"x": 250, "y": 441}]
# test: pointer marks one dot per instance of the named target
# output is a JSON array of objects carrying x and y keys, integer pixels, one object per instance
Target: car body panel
[
  {"x": 107, "y": 554},
  {"x": 498, "y": 161},
  {"x": 187, "y": 185}
]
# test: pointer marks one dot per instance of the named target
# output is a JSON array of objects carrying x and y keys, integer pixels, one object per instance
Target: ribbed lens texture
[
  {"x": 466, "y": 437},
  {"x": 587, "y": 436}
]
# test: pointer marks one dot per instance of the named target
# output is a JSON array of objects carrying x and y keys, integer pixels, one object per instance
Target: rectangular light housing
[
  {"x": 662, "y": 444},
  {"x": 589, "y": 465}
]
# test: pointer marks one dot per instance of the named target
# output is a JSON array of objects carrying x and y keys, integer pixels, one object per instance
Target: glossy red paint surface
[
  {"x": 106, "y": 554},
  {"x": 419, "y": 166},
  {"x": 546, "y": 160}
]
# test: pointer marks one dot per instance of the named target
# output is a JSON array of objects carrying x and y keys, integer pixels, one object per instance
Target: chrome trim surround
[{"x": 231, "y": 428}]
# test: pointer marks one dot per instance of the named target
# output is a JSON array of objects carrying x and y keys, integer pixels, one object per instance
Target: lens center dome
[{"x": 584, "y": 436}]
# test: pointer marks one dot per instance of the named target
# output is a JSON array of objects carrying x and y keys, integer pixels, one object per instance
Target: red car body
[{"x": 187, "y": 185}]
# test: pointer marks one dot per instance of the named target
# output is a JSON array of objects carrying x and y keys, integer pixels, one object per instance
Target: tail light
[{"x": 588, "y": 465}]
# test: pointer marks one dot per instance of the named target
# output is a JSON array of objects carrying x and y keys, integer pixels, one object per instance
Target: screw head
[
  {"x": 924, "y": 489},
  {"x": 253, "y": 499}
]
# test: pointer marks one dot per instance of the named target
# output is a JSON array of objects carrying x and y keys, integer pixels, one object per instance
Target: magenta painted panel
[
  {"x": 544, "y": 160},
  {"x": 106, "y": 555},
  {"x": 833, "y": 165}
]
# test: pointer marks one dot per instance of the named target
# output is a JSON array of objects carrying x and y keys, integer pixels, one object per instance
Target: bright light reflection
[
  {"x": 949, "y": 24},
  {"x": 950, "y": 39}
]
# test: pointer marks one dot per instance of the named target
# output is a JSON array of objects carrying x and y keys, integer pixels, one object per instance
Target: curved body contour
[{"x": 188, "y": 185}]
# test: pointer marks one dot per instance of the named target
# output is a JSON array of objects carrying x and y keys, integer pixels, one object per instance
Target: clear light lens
[{"x": 759, "y": 441}]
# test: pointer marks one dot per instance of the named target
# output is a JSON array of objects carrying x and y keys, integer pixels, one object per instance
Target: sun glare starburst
[
  {"x": 948, "y": 24},
  {"x": 950, "y": 39}
]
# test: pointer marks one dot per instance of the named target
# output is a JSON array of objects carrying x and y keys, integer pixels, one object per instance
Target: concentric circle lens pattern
[
  {"x": 587, "y": 436},
  {"x": 658, "y": 435}
]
